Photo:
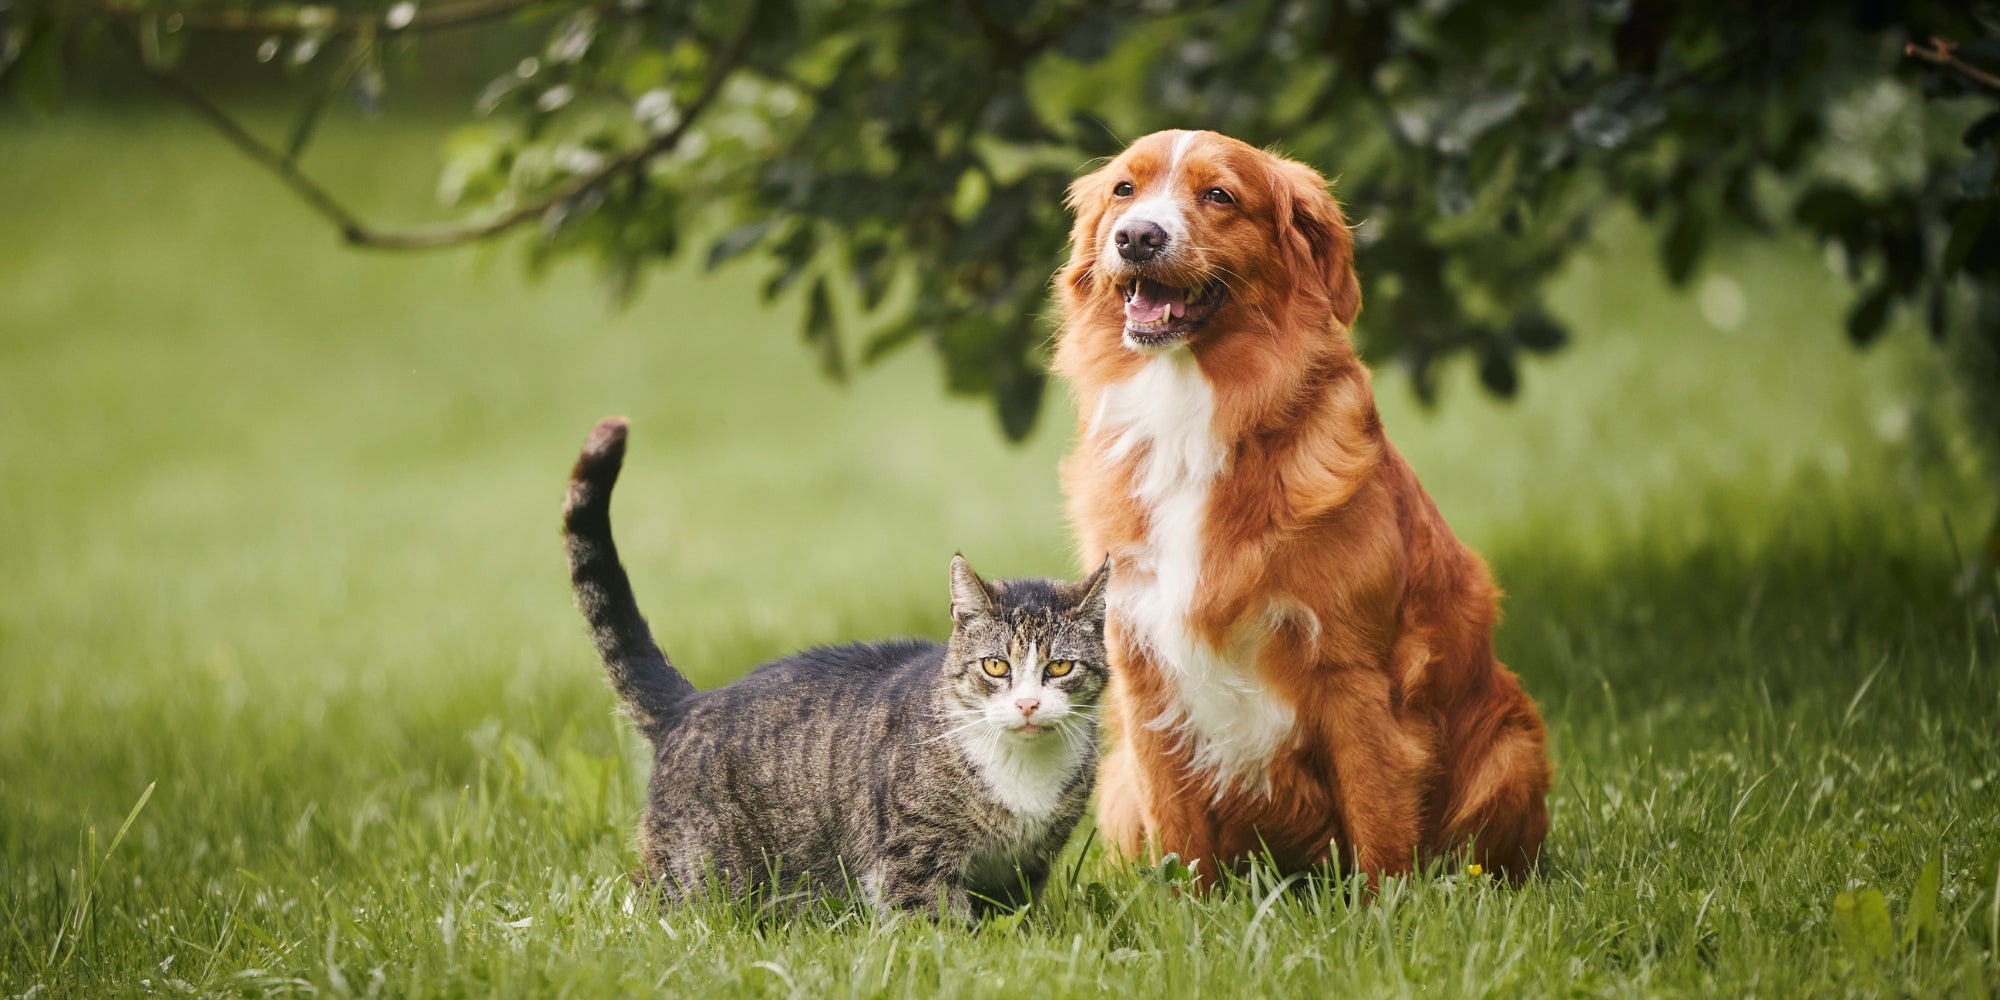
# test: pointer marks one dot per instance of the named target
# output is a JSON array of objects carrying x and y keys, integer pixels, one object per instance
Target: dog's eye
[
  {"x": 1218, "y": 196},
  {"x": 1123, "y": 190},
  {"x": 994, "y": 666}
]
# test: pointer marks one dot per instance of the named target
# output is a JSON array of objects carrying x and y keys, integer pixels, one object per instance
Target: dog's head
[{"x": 1188, "y": 234}]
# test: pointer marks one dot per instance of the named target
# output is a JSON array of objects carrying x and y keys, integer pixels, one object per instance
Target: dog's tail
[{"x": 654, "y": 694}]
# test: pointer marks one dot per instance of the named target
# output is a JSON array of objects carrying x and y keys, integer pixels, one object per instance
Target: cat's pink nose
[{"x": 1027, "y": 706}]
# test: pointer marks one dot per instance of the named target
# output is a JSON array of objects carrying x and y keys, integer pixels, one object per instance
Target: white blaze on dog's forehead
[
  {"x": 1182, "y": 141},
  {"x": 1160, "y": 207}
]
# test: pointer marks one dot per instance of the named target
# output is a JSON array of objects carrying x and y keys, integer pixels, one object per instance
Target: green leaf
[
  {"x": 1537, "y": 331},
  {"x": 970, "y": 195},
  {"x": 1870, "y": 315},
  {"x": 1985, "y": 128},
  {"x": 1831, "y": 210},
  {"x": 872, "y": 271},
  {"x": 823, "y": 334},
  {"x": 1877, "y": 933},
  {"x": 1497, "y": 371},
  {"x": 885, "y": 342},
  {"x": 1170, "y": 871},
  {"x": 1006, "y": 923},
  {"x": 1684, "y": 242},
  {"x": 738, "y": 241},
  {"x": 643, "y": 71},
  {"x": 1922, "y": 919},
  {"x": 1966, "y": 225},
  {"x": 793, "y": 253},
  {"x": 471, "y": 163},
  {"x": 1847, "y": 928},
  {"x": 1017, "y": 394}
]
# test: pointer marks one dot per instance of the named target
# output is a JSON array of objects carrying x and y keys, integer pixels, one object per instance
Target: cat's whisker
[{"x": 955, "y": 730}]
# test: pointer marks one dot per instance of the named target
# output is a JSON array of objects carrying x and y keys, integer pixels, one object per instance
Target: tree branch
[
  {"x": 1940, "y": 53},
  {"x": 319, "y": 20},
  {"x": 287, "y": 171},
  {"x": 358, "y": 233}
]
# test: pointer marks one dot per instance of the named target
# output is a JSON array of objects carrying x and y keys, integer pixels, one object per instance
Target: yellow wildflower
[{"x": 1475, "y": 869}]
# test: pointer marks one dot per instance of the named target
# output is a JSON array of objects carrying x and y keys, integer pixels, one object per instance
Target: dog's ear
[
  {"x": 1086, "y": 200},
  {"x": 1315, "y": 239}
]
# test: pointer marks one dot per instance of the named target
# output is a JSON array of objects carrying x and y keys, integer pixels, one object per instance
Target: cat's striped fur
[{"x": 900, "y": 767}]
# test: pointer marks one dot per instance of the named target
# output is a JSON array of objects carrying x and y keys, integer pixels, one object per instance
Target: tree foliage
[{"x": 899, "y": 164}]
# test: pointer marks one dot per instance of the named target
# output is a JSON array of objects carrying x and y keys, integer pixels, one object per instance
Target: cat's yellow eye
[
  {"x": 1058, "y": 668},
  {"x": 994, "y": 666}
]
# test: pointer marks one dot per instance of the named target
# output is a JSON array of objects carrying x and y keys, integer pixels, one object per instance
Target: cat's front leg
[{"x": 933, "y": 890}]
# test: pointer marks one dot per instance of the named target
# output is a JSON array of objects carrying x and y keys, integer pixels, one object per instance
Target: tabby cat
[{"x": 938, "y": 778}]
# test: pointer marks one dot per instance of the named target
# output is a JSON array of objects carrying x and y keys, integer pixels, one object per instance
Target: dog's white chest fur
[{"x": 1235, "y": 725}]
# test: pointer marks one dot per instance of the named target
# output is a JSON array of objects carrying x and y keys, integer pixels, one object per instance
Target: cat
[{"x": 935, "y": 778}]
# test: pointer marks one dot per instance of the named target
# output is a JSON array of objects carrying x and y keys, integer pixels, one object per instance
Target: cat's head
[{"x": 1026, "y": 657}]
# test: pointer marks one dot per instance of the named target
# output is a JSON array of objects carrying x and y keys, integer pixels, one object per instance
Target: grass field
[{"x": 280, "y": 547}]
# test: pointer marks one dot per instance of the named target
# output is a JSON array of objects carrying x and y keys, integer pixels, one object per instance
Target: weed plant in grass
[{"x": 293, "y": 701}]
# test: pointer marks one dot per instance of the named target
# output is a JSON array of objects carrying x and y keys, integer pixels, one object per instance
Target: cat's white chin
[
  {"x": 1027, "y": 765},
  {"x": 1034, "y": 732}
]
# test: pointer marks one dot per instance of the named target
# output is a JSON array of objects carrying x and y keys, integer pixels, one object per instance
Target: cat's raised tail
[{"x": 653, "y": 692}]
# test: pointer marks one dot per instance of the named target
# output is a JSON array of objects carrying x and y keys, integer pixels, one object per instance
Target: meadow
[{"x": 293, "y": 700}]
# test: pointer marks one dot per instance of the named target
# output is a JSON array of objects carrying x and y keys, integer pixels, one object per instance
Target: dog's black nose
[{"x": 1138, "y": 239}]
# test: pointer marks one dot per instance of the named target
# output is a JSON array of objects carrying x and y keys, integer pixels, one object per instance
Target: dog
[{"x": 1301, "y": 649}]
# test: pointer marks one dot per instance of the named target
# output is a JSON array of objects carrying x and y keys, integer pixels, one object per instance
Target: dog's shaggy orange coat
[{"x": 1321, "y": 685}]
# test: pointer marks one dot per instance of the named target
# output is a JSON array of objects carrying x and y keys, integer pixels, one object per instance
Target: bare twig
[
  {"x": 351, "y": 228},
  {"x": 322, "y": 20},
  {"x": 358, "y": 233},
  {"x": 1943, "y": 53}
]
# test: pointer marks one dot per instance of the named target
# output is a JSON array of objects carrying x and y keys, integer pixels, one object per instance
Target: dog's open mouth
[{"x": 1157, "y": 314}]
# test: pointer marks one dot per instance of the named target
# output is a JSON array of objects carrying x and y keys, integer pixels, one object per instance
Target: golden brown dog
[{"x": 1302, "y": 651}]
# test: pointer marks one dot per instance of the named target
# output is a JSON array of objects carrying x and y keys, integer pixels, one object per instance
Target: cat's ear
[
  {"x": 1090, "y": 594},
  {"x": 969, "y": 595}
]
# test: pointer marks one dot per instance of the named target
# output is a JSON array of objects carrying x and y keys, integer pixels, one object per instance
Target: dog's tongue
[{"x": 1151, "y": 302}]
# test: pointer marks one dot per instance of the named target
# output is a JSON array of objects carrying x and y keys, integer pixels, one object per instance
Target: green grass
[{"x": 280, "y": 545}]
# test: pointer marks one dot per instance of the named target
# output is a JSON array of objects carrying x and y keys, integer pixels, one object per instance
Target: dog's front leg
[
  {"x": 1121, "y": 804},
  {"x": 1383, "y": 766},
  {"x": 1180, "y": 819}
]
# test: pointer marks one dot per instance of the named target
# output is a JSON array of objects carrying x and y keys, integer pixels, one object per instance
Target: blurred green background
[{"x": 280, "y": 536}]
